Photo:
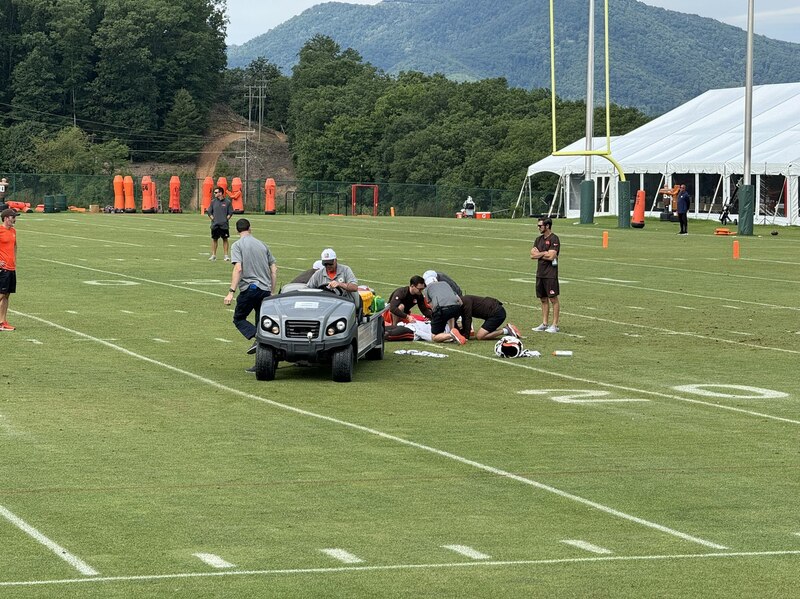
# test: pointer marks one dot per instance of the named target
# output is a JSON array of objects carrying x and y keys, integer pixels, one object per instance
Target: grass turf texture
[{"x": 131, "y": 435}]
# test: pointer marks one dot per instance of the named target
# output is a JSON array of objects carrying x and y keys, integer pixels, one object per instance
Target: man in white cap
[
  {"x": 446, "y": 308},
  {"x": 335, "y": 276}
]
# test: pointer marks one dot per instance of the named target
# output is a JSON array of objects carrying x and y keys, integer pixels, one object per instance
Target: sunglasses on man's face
[{"x": 327, "y": 262}]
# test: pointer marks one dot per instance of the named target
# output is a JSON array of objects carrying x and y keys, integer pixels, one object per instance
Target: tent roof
[{"x": 705, "y": 135}]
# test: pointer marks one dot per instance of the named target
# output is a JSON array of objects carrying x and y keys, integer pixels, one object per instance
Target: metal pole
[
  {"x": 748, "y": 94},
  {"x": 590, "y": 94},
  {"x": 746, "y": 191}
]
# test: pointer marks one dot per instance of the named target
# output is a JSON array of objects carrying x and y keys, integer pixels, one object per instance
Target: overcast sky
[{"x": 779, "y": 19}]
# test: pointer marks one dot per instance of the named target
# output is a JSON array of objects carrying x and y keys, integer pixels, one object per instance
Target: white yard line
[
  {"x": 343, "y": 556},
  {"x": 214, "y": 561},
  {"x": 401, "y": 567},
  {"x": 467, "y": 551},
  {"x": 587, "y": 546},
  {"x": 77, "y": 563},
  {"x": 737, "y": 342},
  {"x": 439, "y": 452},
  {"x": 126, "y": 276}
]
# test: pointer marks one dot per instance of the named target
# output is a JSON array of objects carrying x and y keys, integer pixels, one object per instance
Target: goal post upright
[{"x": 624, "y": 185}]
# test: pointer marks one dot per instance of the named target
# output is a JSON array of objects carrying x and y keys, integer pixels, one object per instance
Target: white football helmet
[{"x": 508, "y": 347}]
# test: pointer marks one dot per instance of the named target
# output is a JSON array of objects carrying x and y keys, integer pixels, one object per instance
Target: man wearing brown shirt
[{"x": 493, "y": 314}]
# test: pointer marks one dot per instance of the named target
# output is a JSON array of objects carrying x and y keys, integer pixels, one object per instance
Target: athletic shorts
[
  {"x": 441, "y": 316},
  {"x": 495, "y": 321},
  {"x": 546, "y": 288},
  {"x": 218, "y": 232},
  {"x": 8, "y": 281}
]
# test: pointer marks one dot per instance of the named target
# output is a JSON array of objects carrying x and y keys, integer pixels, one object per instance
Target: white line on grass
[
  {"x": 119, "y": 274},
  {"x": 214, "y": 561},
  {"x": 400, "y": 567},
  {"x": 77, "y": 563},
  {"x": 85, "y": 238},
  {"x": 738, "y": 343},
  {"x": 467, "y": 551},
  {"x": 620, "y": 387},
  {"x": 377, "y": 433},
  {"x": 223, "y": 340},
  {"x": 587, "y": 546},
  {"x": 35, "y": 341},
  {"x": 343, "y": 556}
]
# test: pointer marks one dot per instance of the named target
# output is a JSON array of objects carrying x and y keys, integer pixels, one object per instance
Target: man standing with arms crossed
[
  {"x": 255, "y": 274},
  {"x": 8, "y": 264},
  {"x": 545, "y": 249}
]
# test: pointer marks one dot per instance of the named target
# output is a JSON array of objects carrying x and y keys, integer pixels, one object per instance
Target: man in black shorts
[
  {"x": 220, "y": 212},
  {"x": 493, "y": 313},
  {"x": 405, "y": 298},
  {"x": 545, "y": 249}
]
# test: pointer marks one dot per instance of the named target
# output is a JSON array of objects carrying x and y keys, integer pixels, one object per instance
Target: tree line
[
  {"x": 108, "y": 79},
  {"x": 86, "y": 85}
]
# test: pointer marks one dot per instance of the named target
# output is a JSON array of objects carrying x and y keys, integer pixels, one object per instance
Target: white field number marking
[
  {"x": 587, "y": 546},
  {"x": 707, "y": 390},
  {"x": 467, "y": 551},
  {"x": 343, "y": 556},
  {"x": 214, "y": 561},
  {"x": 111, "y": 283},
  {"x": 579, "y": 396}
]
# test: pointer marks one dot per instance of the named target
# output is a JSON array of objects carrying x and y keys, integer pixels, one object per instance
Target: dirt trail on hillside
[{"x": 207, "y": 163}]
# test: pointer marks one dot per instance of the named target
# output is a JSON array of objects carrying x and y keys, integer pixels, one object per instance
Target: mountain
[{"x": 659, "y": 58}]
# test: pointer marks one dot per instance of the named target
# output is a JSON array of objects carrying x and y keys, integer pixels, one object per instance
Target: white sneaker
[
  {"x": 213, "y": 259},
  {"x": 552, "y": 329},
  {"x": 227, "y": 258},
  {"x": 540, "y": 328}
]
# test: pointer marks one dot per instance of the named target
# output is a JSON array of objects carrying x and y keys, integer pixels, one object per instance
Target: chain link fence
[{"x": 291, "y": 196}]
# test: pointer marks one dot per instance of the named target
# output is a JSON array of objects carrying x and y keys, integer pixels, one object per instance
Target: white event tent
[{"x": 700, "y": 144}]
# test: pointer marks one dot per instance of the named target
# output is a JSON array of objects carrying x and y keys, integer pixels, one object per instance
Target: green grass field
[{"x": 661, "y": 460}]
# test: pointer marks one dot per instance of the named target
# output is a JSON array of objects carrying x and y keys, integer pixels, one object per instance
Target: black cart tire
[
  {"x": 265, "y": 363},
  {"x": 343, "y": 363}
]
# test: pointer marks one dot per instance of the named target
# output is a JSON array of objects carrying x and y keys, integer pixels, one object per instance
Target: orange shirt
[{"x": 8, "y": 243}]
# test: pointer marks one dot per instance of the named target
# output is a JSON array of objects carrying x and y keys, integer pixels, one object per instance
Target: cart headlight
[
  {"x": 337, "y": 327},
  {"x": 269, "y": 325}
]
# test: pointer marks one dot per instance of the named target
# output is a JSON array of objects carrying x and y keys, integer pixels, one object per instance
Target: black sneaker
[
  {"x": 252, "y": 369},
  {"x": 253, "y": 348}
]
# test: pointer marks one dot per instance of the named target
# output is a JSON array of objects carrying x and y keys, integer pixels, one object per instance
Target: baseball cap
[
  {"x": 328, "y": 254},
  {"x": 8, "y": 212},
  {"x": 317, "y": 265},
  {"x": 430, "y": 277}
]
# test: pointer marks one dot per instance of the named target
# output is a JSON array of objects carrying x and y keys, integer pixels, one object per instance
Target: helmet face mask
[{"x": 508, "y": 347}]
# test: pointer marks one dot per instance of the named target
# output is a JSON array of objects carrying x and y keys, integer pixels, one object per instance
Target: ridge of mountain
[{"x": 659, "y": 58}]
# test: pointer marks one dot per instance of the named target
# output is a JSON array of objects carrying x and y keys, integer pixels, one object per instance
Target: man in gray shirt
[
  {"x": 219, "y": 211},
  {"x": 335, "y": 276},
  {"x": 446, "y": 308},
  {"x": 255, "y": 274}
]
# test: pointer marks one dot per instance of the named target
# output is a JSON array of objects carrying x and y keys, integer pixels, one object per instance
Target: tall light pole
[
  {"x": 587, "y": 185},
  {"x": 746, "y": 190}
]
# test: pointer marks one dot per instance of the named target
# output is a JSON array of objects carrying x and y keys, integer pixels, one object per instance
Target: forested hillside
[
  {"x": 659, "y": 58},
  {"x": 93, "y": 78}
]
